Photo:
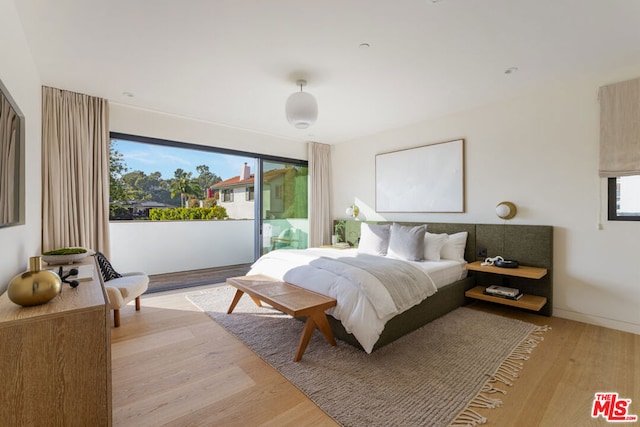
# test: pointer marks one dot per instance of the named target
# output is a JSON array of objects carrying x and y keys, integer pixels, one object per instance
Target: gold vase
[{"x": 35, "y": 286}]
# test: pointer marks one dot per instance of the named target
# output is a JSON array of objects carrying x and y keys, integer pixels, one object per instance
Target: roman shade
[{"x": 620, "y": 129}]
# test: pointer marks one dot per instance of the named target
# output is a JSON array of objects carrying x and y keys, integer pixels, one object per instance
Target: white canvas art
[{"x": 423, "y": 179}]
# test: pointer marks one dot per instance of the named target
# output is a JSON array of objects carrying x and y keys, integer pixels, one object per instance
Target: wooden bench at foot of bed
[{"x": 290, "y": 299}]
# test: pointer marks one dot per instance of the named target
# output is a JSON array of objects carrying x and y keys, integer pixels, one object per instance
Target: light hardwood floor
[{"x": 172, "y": 365}]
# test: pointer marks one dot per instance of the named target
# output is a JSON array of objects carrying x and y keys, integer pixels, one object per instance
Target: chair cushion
[{"x": 130, "y": 287}]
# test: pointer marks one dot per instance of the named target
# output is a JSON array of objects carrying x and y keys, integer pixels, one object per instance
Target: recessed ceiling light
[
  {"x": 364, "y": 46},
  {"x": 511, "y": 70},
  {"x": 128, "y": 94}
]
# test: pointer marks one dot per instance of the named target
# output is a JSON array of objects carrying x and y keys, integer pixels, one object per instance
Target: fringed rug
[{"x": 434, "y": 376}]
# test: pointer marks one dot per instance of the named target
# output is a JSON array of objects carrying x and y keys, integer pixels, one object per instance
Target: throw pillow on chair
[{"x": 121, "y": 288}]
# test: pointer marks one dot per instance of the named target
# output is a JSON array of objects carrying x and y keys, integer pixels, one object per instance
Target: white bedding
[{"x": 363, "y": 304}]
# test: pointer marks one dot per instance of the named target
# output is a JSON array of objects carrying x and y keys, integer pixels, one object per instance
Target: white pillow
[
  {"x": 374, "y": 239},
  {"x": 407, "y": 242},
  {"x": 454, "y": 245},
  {"x": 433, "y": 245}
]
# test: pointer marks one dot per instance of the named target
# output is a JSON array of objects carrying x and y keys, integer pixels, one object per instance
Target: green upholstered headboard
[{"x": 530, "y": 245}]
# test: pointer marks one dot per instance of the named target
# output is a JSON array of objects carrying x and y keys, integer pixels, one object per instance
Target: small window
[
  {"x": 227, "y": 195},
  {"x": 624, "y": 198},
  {"x": 249, "y": 193}
]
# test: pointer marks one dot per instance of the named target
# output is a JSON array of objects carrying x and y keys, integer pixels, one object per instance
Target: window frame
[
  {"x": 227, "y": 195},
  {"x": 260, "y": 157},
  {"x": 612, "y": 203}
]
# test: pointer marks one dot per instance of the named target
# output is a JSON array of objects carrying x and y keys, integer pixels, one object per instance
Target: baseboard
[{"x": 597, "y": 320}]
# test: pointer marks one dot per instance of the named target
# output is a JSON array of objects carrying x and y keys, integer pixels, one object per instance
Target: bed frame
[{"x": 530, "y": 244}]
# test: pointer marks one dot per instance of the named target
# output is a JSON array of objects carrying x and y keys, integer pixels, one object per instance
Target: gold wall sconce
[
  {"x": 506, "y": 210},
  {"x": 353, "y": 211}
]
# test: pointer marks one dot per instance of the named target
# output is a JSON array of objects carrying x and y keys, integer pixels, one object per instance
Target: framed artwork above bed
[{"x": 423, "y": 179}]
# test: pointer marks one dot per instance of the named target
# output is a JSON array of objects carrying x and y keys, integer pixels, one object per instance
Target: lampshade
[
  {"x": 301, "y": 108},
  {"x": 353, "y": 211},
  {"x": 506, "y": 210}
]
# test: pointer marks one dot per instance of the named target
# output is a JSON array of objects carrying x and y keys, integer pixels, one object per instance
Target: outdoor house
[{"x": 237, "y": 194}]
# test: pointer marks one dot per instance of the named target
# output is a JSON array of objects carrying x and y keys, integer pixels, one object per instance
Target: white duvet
[{"x": 363, "y": 304}]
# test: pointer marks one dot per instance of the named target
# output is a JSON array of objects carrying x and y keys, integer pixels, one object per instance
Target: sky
[{"x": 151, "y": 158}]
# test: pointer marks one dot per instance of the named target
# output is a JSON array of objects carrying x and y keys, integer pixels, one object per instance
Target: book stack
[{"x": 503, "y": 292}]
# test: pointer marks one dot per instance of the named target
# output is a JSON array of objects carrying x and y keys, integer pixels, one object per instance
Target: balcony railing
[{"x": 158, "y": 247}]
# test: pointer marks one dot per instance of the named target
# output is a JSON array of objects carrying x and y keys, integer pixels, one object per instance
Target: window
[
  {"x": 624, "y": 198},
  {"x": 278, "y": 191},
  {"x": 249, "y": 194},
  {"x": 227, "y": 195},
  {"x": 149, "y": 178}
]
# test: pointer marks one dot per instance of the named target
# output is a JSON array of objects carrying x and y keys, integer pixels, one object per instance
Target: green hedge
[{"x": 182, "y": 214}]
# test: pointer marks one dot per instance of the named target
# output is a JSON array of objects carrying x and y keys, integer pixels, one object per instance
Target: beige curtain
[
  {"x": 620, "y": 129},
  {"x": 75, "y": 174},
  {"x": 8, "y": 147},
  {"x": 319, "y": 194}
]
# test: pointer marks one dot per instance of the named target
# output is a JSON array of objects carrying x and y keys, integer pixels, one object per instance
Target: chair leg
[
  {"x": 116, "y": 318},
  {"x": 137, "y": 303}
]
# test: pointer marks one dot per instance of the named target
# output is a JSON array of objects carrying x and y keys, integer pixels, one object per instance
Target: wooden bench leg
[
  {"x": 309, "y": 327},
  {"x": 321, "y": 321},
  {"x": 137, "y": 303},
  {"x": 236, "y": 298}
]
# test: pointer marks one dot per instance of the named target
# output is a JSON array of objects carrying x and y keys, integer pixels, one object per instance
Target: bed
[
  {"x": 529, "y": 244},
  {"x": 372, "y": 310}
]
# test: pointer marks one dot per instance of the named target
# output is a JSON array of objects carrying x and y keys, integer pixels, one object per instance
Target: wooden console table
[
  {"x": 55, "y": 363},
  {"x": 290, "y": 299}
]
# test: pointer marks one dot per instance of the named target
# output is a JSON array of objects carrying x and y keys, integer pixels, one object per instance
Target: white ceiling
[{"x": 235, "y": 62}]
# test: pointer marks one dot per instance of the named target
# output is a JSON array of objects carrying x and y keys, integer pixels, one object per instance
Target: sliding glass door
[{"x": 284, "y": 206}]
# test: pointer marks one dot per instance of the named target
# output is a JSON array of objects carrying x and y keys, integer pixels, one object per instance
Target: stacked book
[{"x": 503, "y": 292}]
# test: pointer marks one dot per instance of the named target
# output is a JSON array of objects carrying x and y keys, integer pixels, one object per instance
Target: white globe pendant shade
[{"x": 301, "y": 108}]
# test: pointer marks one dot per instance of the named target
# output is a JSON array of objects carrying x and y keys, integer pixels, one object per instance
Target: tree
[
  {"x": 140, "y": 186},
  {"x": 206, "y": 178},
  {"x": 183, "y": 185},
  {"x": 117, "y": 167}
]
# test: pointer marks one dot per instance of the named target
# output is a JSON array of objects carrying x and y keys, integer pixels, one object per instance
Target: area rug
[{"x": 434, "y": 376}]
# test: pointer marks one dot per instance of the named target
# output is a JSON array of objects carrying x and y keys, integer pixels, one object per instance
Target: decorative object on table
[
  {"x": 507, "y": 263},
  {"x": 353, "y": 211},
  {"x": 64, "y": 276},
  {"x": 301, "y": 108},
  {"x": 64, "y": 255},
  {"x": 502, "y": 291},
  {"x": 506, "y": 210},
  {"x": 34, "y": 287},
  {"x": 498, "y": 261}
]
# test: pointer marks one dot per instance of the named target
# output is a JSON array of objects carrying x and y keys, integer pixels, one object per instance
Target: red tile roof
[{"x": 234, "y": 181}]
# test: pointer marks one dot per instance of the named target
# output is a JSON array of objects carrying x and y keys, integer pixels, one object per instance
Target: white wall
[
  {"x": 540, "y": 151},
  {"x": 156, "y": 247},
  {"x": 240, "y": 208},
  {"x": 18, "y": 73},
  {"x": 164, "y": 247}
]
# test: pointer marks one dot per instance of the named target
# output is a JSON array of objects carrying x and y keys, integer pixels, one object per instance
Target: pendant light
[{"x": 301, "y": 108}]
